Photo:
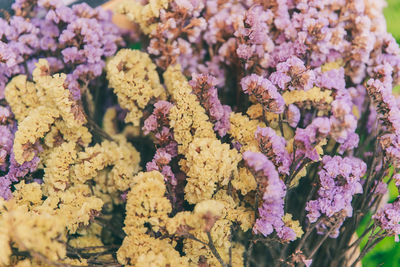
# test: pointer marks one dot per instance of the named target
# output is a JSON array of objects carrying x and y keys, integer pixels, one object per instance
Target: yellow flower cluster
[
  {"x": 47, "y": 102},
  {"x": 315, "y": 95},
  {"x": 187, "y": 117},
  {"x": 33, "y": 127},
  {"x": 40, "y": 233},
  {"x": 332, "y": 65},
  {"x": 122, "y": 156},
  {"x": 144, "y": 15},
  {"x": 135, "y": 81},
  {"x": 21, "y": 96},
  {"x": 210, "y": 167},
  {"x": 146, "y": 211},
  {"x": 294, "y": 224},
  {"x": 207, "y": 163},
  {"x": 214, "y": 217},
  {"x": 83, "y": 179},
  {"x": 78, "y": 179},
  {"x": 244, "y": 181},
  {"x": 243, "y": 130}
]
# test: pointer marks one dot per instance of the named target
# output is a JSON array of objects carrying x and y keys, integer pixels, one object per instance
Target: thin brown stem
[
  {"x": 214, "y": 250},
  {"x": 358, "y": 241},
  {"x": 309, "y": 230},
  {"x": 248, "y": 253},
  {"x": 323, "y": 239},
  {"x": 366, "y": 250}
]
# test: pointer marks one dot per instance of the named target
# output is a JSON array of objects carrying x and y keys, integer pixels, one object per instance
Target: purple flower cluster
[
  {"x": 306, "y": 139},
  {"x": 11, "y": 169},
  {"x": 204, "y": 88},
  {"x": 273, "y": 196},
  {"x": 339, "y": 180},
  {"x": 312, "y": 79},
  {"x": 264, "y": 91},
  {"x": 179, "y": 28},
  {"x": 274, "y": 147},
  {"x": 343, "y": 121},
  {"x": 74, "y": 40},
  {"x": 158, "y": 124},
  {"x": 18, "y": 40},
  {"x": 268, "y": 48},
  {"x": 388, "y": 218},
  {"x": 292, "y": 74}
]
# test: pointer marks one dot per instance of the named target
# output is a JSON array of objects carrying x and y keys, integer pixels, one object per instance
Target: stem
[
  {"x": 323, "y": 239},
  {"x": 309, "y": 230},
  {"x": 366, "y": 250},
  {"x": 94, "y": 127},
  {"x": 358, "y": 241},
  {"x": 214, "y": 250},
  {"x": 248, "y": 254},
  {"x": 281, "y": 126},
  {"x": 190, "y": 236}
]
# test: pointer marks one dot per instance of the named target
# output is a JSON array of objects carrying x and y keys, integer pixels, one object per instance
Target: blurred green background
[
  {"x": 392, "y": 14},
  {"x": 387, "y": 252}
]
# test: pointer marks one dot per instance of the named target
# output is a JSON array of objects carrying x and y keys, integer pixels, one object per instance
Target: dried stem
[
  {"x": 323, "y": 239},
  {"x": 214, "y": 250}
]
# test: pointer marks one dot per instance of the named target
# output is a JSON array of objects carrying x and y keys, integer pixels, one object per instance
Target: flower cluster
[
  {"x": 74, "y": 41},
  {"x": 240, "y": 133},
  {"x": 339, "y": 179}
]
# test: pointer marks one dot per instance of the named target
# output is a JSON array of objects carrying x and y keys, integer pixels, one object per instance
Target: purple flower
[
  {"x": 306, "y": 139},
  {"x": 339, "y": 180},
  {"x": 292, "y": 74},
  {"x": 84, "y": 35},
  {"x": 293, "y": 115},
  {"x": 204, "y": 88},
  {"x": 264, "y": 91},
  {"x": 71, "y": 54},
  {"x": 274, "y": 147},
  {"x": 388, "y": 218},
  {"x": 158, "y": 118},
  {"x": 332, "y": 79},
  {"x": 274, "y": 191},
  {"x": 244, "y": 51}
]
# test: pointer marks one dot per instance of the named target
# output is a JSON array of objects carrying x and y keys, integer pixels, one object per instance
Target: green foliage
[
  {"x": 387, "y": 252},
  {"x": 392, "y": 14}
]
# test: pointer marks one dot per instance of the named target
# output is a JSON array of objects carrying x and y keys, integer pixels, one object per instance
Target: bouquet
[{"x": 207, "y": 133}]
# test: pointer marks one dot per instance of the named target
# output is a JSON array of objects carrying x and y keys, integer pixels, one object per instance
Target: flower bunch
[{"x": 241, "y": 133}]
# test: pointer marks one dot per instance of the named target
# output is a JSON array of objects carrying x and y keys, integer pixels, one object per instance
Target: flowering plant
[{"x": 242, "y": 133}]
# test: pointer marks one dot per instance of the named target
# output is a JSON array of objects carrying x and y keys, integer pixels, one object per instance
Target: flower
[{"x": 264, "y": 91}]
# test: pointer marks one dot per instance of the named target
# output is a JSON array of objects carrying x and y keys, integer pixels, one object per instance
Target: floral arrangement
[{"x": 241, "y": 133}]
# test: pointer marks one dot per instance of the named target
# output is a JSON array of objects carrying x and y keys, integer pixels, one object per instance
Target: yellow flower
[
  {"x": 147, "y": 209},
  {"x": 27, "y": 194},
  {"x": 244, "y": 181},
  {"x": 57, "y": 171},
  {"x": 33, "y": 127},
  {"x": 25, "y": 230},
  {"x": 208, "y": 163},
  {"x": 243, "y": 129},
  {"x": 144, "y": 15},
  {"x": 135, "y": 81},
  {"x": 314, "y": 95},
  {"x": 21, "y": 96},
  {"x": 187, "y": 117},
  {"x": 293, "y": 224}
]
